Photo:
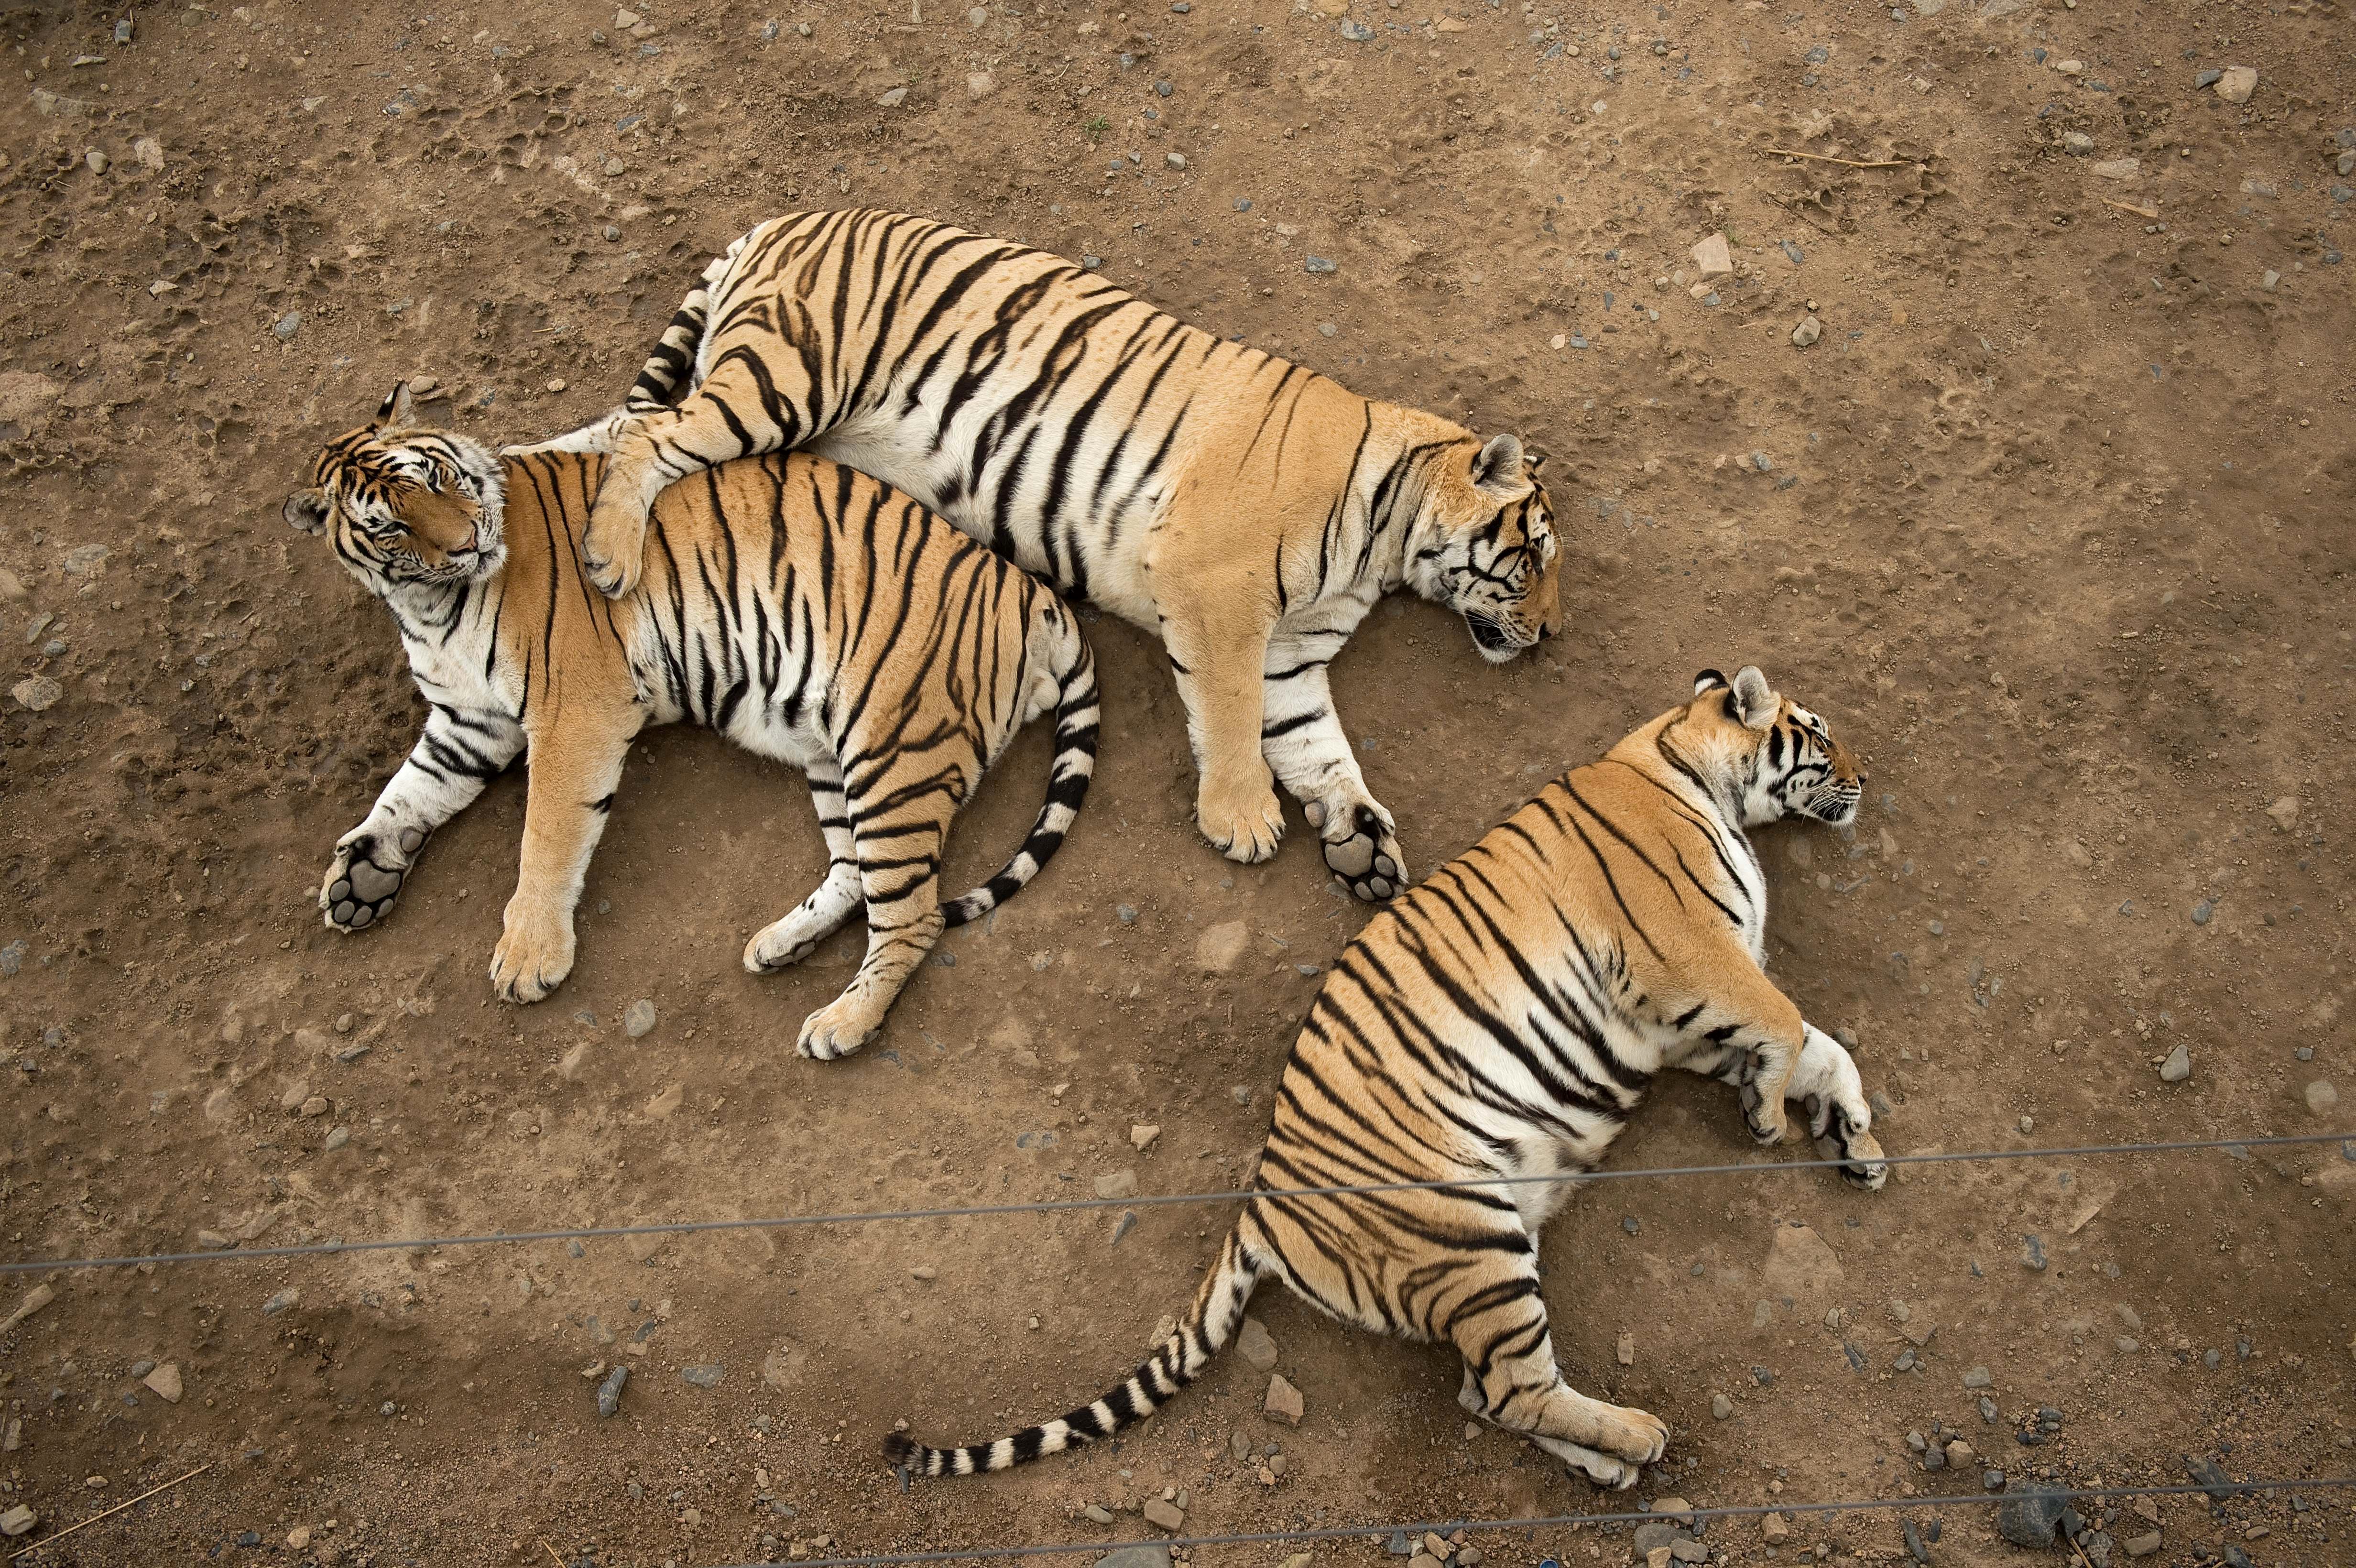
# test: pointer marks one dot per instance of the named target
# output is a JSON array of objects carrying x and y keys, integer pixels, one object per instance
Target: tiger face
[
  {"x": 1489, "y": 549},
  {"x": 1781, "y": 758},
  {"x": 406, "y": 505}
]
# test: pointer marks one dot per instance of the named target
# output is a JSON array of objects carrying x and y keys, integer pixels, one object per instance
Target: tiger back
[
  {"x": 804, "y": 609},
  {"x": 1492, "y": 1030}
]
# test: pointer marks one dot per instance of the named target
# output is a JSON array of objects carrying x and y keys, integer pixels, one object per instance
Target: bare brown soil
[{"x": 2051, "y": 524}]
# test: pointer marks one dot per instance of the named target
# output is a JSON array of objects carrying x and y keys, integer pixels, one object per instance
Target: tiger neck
[{"x": 1395, "y": 510}]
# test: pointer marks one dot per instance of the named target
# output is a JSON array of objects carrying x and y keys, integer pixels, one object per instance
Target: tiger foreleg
[
  {"x": 1840, "y": 1117},
  {"x": 1745, "y": 1034},
  {"x": 721, "y": 419},
  {"x": 1302, "y": 738},
  {"x": 455, "y": 757},
  {"x": 575, "y": 770},
  {"x": 1217, "y": 661},
  {"x": 797, "y": 935},
  {"x": 900, "y": 875}
]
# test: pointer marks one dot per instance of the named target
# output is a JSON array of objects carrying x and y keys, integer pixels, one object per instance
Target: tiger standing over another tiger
[
  {"x": 1247, "y": 510},
  {"x": 1501, "y": 1021},
  {"x": 798, "y": 607}
]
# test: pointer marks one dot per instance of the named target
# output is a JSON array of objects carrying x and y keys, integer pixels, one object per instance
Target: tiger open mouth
[{"x": 1496, "y": 644}]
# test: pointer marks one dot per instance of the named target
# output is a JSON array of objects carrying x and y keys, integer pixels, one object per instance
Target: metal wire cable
[
  {"x": 1413, "y": 1531},
  {"x": 1148, "y": 1200}
]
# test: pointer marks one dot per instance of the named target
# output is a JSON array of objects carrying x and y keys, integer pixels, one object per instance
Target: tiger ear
[
  {"x": 1708, "y": 679},
  {"x": 399, "y": 410},
  {"x": 1498, "y": 468},
  {"x": 1754, "y": 701},
  {"x": 306, "y": 511},
  {"x": 1532, "y": 460}
]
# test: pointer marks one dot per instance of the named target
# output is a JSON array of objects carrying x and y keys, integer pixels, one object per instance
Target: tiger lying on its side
[
  {"x": 1502, "y": 1019},
  {"x": 798, "y": 607},
  {"x": 1248, "y": 511}
]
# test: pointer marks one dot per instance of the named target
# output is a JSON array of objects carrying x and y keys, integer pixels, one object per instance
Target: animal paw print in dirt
[
  {"x": 1366, "y": 855},
  {"x": 366, "y": 876}
]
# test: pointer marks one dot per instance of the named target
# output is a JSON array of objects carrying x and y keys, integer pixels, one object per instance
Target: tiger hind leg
[
  {"x": 1512, "y": 1381},
  {"x": 796, "y": 936},
  {"x": 899, "y": 873}
]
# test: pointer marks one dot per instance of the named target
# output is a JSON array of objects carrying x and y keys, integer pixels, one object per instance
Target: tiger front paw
[
  {"x": 534, "y": 953},
  {"x": 365, "y": 877},
  {"x": 613, "y": 547},
  {"x": 839, "y": 1028},
  {"x": 1243, "y": 823},
  {"x": 1360, "y": 849},
  {"x": 1840, "y": 1125}
]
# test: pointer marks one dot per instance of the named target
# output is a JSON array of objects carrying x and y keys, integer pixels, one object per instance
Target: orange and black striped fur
[
  {"x": 1246, "y": 510},
  {"x": 800, "y": 608},
  {"x": 1501, "y": 1021}
]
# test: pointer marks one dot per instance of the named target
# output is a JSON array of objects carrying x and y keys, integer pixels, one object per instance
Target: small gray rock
[
  {"x": 2032, "y": 1252},
  {"x": 1151, "y": 1556},
  {"x": 705, "y": 1376},
  {"x": 609, "y": 1393},
  {"x": 1978, "y": 1377},
  {"x": 143, "y": 1366},
  {"x": 1127, "y": 914},
  {"x": 1720, "y": 1407},
  {"x": 2203, "y": 910},
  {"x": 2179, "y": 1065},
  {"x": 122, "y": 31},
  {"x": 1319, "y": 264},
  {"x": 639, "y": 1018},
  {"x": 1098, "y": 1513},
  {"x": 1357, "y": 32},
  {"x": 2028, "y": 1516},
  {"x": 1806, "y": 334},
  {"x": 280, "y": 1303},
  {"x": 2204, "y": 78},
  {"x": 287, "y": 326}
]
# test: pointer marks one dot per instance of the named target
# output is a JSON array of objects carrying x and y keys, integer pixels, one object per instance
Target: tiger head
[
  {"x": 1484, "y": 545},
  {"x": 1775, "y": 755},
  {"x": 404, "y": 505}
]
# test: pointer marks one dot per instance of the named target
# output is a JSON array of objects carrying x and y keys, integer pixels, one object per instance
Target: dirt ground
[{"x": 2051, "y": 524}]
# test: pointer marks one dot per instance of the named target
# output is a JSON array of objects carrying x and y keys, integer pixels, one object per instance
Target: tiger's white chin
[{"x": 1495, "y": 644}]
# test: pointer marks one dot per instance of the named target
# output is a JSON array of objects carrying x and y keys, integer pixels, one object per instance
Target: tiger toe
[
  {"x": 835, "y": 1030},
  {"x": 362, "y": 883},
  {"x": 1247, "y": 831},
  {"x": 1367, "y": 858}
]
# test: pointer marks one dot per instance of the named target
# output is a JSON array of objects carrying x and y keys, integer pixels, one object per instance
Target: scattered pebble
[
  {"x": 1978, "y": 1377},
  {"x": 1713, "y": 257},
  {"x": 1142, "y": 1137},
  {"x": 1805, "y": 334},
  {"x": 1318, "y": 264},
  {"x": 1163, "y": 1514},
  {"x": 2237, "y": 82},
  {"x": 639, "y": 1018},
  {"x": 609, "y": 1393},
  {"x": 38, "y": 693},
  {"x": 2077, "y": 143},
  {"x": 1175, "y": 160},
  {"x": 1283, "y": 1401},
  {"x": 2321, "y": 1096},
  {"x": 1720, "y": 1407},
  {"x": 705, "y": 1376},
  {"x": 19, "y": 1520},
  {"x": 165, "y": 1383},
  {"x": 2028, "y": 1516},
  {"x": 280, "y": 1303},
  {"x": 1256, "y": 1346},
  {"x": 894, "y": 99},
  {"x": 287, "y": 326},
  {"x": 2179, "y": 1065},
  {"x": 1117, "y": 1184},
  {"x": 2203, "y": 912}
]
